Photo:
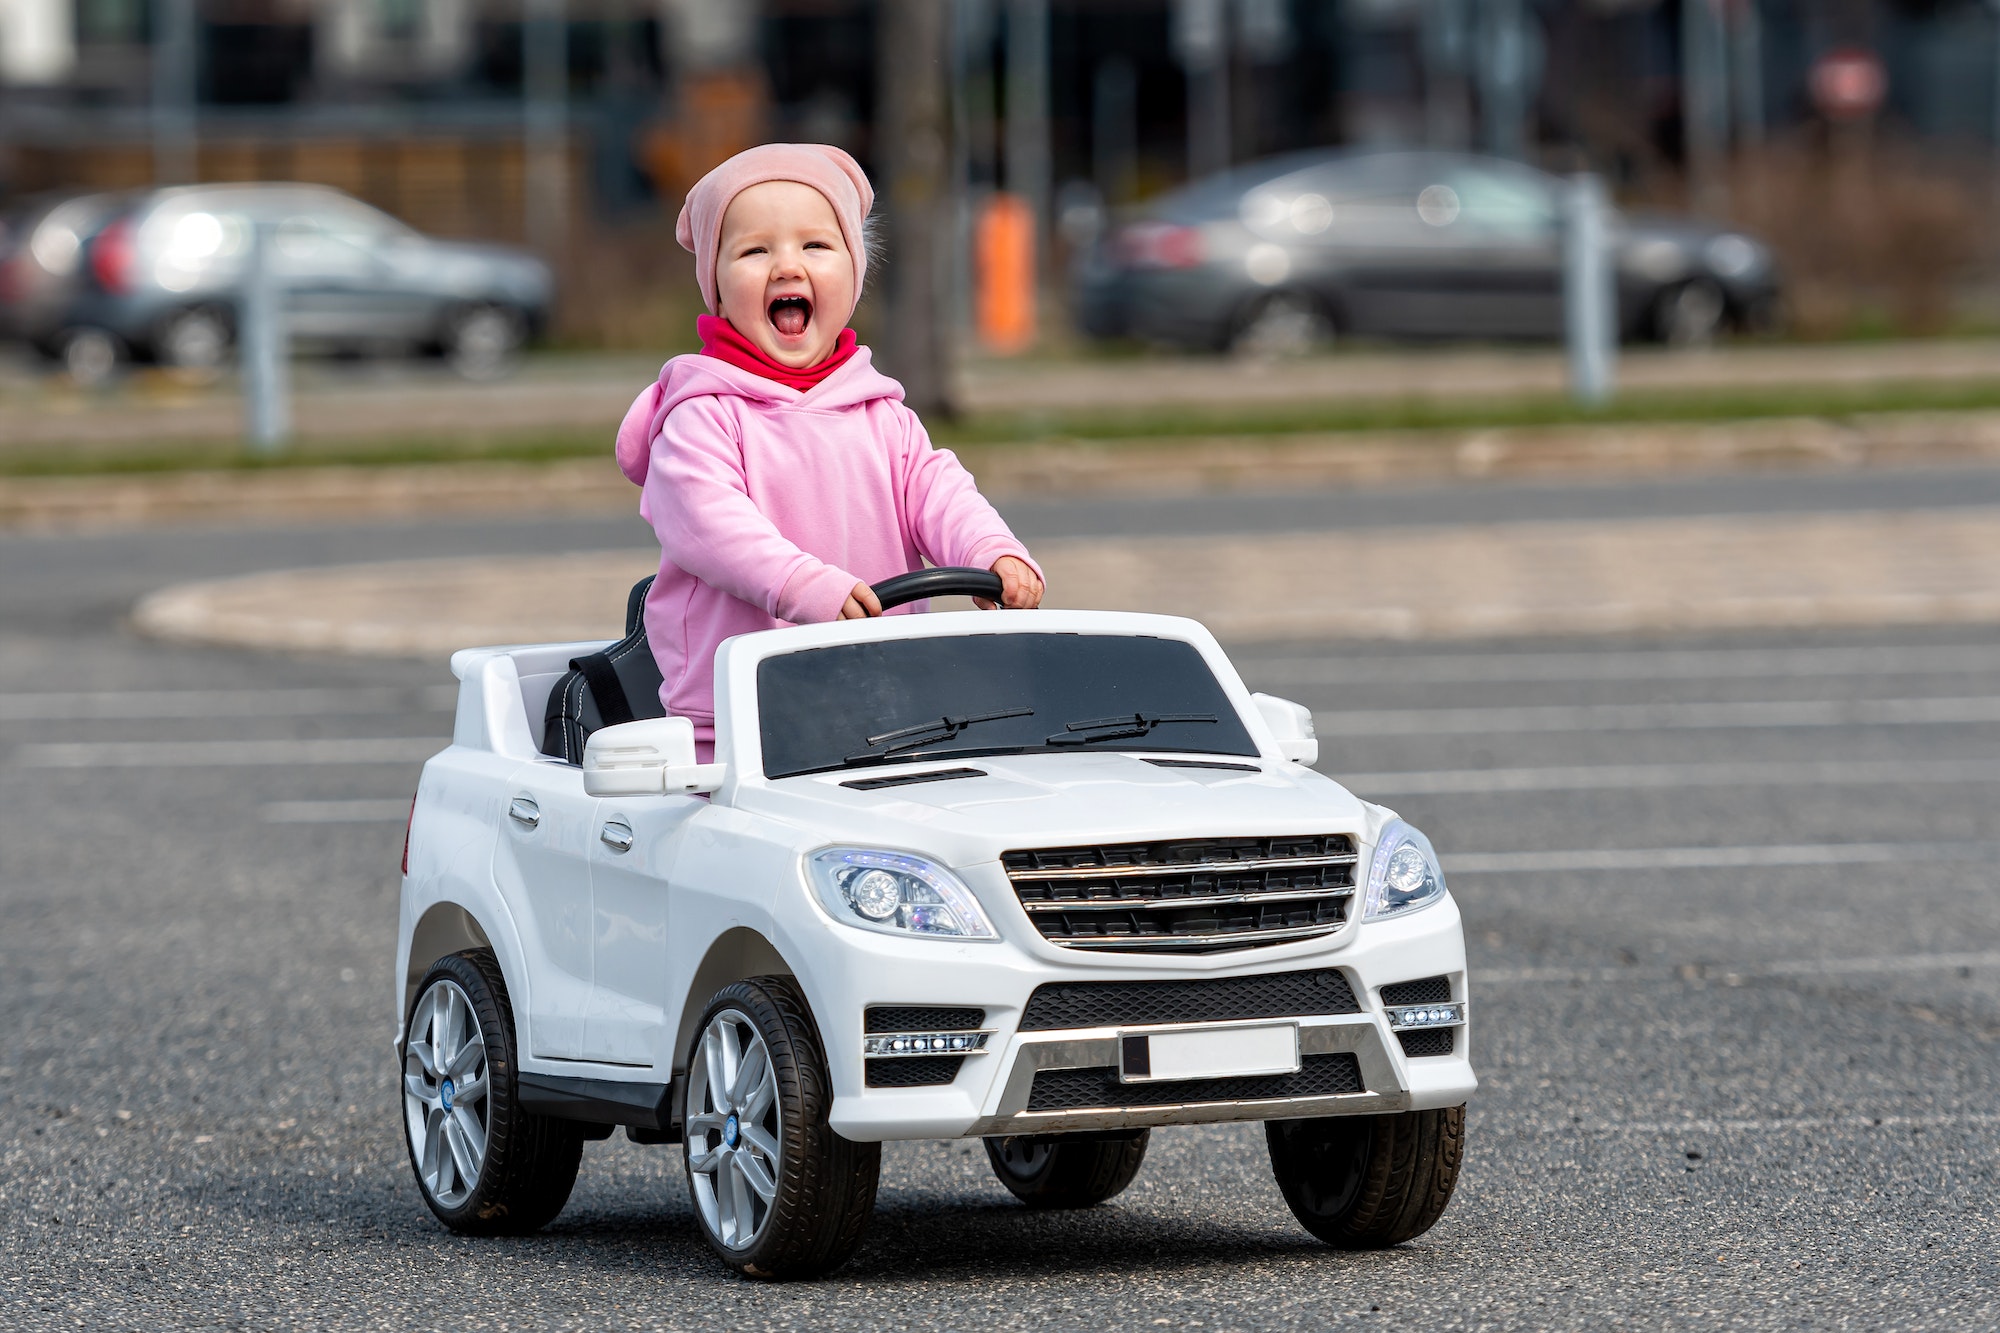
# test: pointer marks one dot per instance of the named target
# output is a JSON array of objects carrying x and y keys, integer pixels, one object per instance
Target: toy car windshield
[{"x": 861, "y": 704}]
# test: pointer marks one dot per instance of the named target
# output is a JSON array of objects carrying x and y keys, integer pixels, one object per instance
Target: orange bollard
[{"x": 1004, "y": 260}]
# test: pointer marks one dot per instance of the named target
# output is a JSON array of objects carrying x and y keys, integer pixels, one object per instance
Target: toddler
[{"x": 779, "y": 468}]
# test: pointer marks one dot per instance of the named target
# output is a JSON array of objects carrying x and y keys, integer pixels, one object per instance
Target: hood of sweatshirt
[{"x": 697, "y": 376}]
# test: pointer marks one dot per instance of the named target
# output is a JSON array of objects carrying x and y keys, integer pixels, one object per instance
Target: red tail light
[
  {"x": 11, "y": 286},
  {"x": 112, "y": 257},
  {"x": 407, "y": 824},
  {"x": 1160, "y": 245}
]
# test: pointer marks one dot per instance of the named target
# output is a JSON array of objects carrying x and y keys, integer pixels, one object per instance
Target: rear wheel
[
  {"x": 1368, "y": 1182},
  {"x": 91, "y": 357},
  {"x": 777, "y": 1192},
  {"x": 194, "y": 341},
  {"x": 482, "y": 341},
  {"x": 1690, "y": 315},
  {"x": 1067, "y": 1170},
  {"x": 485, "y": 1166}
]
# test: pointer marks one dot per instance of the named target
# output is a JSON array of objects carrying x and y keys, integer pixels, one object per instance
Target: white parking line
[
  {"x": 1718, "y": 858},
  {"x": 1647, "y": 777},
  {"x": 1748, "y": 715},
  {"x": 1683, "y": 664},
  {"x": 1782, "y": 1124},
  {"x": 335, "y": 812},
  {"x": 81, "y": 706},
  {"x": 1732, "y": 974},
  {"x": 225, "y": 754}
]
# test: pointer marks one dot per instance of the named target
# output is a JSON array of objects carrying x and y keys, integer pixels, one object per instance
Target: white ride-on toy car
[{"x": 1045, "y": 878}]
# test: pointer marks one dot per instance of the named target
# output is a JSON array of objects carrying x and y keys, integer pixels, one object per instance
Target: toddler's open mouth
[{"x": 790, "y": 315}]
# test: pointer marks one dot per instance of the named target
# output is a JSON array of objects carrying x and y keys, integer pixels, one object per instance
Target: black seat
[{"x": 620, "y": 684}]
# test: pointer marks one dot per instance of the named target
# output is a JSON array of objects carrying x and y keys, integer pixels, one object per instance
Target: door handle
[
  {"x": 617, "y": 835},
  {"x": 523, "y": 811}
]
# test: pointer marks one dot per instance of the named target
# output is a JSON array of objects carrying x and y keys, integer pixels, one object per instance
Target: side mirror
[
  {"x": 651, "y": 757},
  {"x": 1292, "y": 724}
]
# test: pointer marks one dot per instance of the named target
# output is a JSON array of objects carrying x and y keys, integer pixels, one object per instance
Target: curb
[
  {"x": 1456, "y": 582},
  {"x": 1019, "y": 471}
]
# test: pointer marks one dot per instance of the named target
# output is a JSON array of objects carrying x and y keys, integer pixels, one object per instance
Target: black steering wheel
[{"x": 946, "y": 582}]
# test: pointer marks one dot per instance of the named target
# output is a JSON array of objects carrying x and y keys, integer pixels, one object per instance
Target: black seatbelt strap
[{"x": 613, "y": 708}]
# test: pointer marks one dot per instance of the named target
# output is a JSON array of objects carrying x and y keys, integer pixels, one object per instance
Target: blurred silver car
[
  {"x": 1283, "y": 253},
  {"x": 161, "y": 281}
]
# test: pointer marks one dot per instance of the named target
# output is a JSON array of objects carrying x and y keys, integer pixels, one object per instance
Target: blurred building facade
[{"x": 475, "y": 117}]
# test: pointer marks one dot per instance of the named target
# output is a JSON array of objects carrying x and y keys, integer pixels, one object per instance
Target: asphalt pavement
[{"x": 1730, "y": 903}]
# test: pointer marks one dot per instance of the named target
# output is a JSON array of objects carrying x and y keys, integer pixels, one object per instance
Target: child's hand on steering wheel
[
  {"x": 861, "y": 603},
  {"x": 1020, "y": 586}
]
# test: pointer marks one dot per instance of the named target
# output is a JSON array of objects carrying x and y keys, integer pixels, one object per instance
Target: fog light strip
[
  {"x": 924, "y": 1043},
  {"x": 1405, "y": 1017}
]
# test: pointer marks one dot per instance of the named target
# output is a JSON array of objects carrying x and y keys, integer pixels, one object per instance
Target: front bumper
[{"x": 991, "y": 1091}]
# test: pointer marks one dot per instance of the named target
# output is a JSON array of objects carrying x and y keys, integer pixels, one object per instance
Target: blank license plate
[{"x": 1150, "y": 1057}]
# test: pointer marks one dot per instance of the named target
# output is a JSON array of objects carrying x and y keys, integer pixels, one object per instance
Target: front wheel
[
  {"x": 778, "y": 1193},
  {"x": 1067, "y": 1170},
  {"x": 1368, "y": 1182},
  {"x": 485, "y": 1166},
  {"x": 1281, "y": 324}
]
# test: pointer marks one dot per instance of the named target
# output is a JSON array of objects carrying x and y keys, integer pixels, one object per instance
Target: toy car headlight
[
  {"x": 896, "y": 893},
  {"x": 1404, "y": 875}
]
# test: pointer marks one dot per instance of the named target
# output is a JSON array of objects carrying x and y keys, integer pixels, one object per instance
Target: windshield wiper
[
  {"x": 1120, "y": 728},
  {"x": 927, "y": 733}
]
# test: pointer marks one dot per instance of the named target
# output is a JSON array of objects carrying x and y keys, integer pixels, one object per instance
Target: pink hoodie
[{"x": 771, "y": 504}]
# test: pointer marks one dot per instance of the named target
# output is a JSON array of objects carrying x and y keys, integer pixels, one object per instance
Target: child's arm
[
  {"x": 955, "y": 525},
  {"x": 700, "y": 506}
]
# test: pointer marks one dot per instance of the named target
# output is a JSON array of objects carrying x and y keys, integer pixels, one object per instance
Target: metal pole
[
  {"x": 1201, "y": 39},
  {"x": 1746, "y": 51},
  {"x": 1590, "y": 301},
  {"x": 263, "y": 344},
  {"x": 1028, "y": 165},
  {"x": 545, "y": 129},
  {"x": 913, "y": 129},
  {"x": 1704, "y": 102},
  {"x": 1503, "y": 70},
  {"x": 173, "y": 110}
]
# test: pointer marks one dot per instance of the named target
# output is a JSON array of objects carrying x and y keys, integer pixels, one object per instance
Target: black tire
[
  {"x": 530, "y": 1161},
  {"x": 1368, "y": 1182},
  {"x": 825, "y": 1184},
  {"x": 1067, "y": 1170}
]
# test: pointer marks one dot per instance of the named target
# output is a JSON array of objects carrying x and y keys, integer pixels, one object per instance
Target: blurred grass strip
[{"x": 1424, "y": 420}]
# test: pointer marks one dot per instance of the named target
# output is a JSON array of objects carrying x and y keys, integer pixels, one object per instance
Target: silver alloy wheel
[
  {"x": 444, "y": 1093},
  {"x": 1286, "y": 324},
  {"x": 482, "y": 342},
  {"x": 90, "y": 357},
  {"x": 195, "y": 340},
  {"x": 1694, "y": 314},
  {"x": 733, "y": 1131}
]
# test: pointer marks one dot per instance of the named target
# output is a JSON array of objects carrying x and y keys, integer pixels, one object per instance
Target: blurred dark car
[
  {"x": 160, "y": 281},
  {"x": 1295, "y": 250},
  {"x": 42, "y": 242}
]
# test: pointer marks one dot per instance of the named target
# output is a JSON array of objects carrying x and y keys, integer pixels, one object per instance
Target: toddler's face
[{"x": 783, "y": 276}]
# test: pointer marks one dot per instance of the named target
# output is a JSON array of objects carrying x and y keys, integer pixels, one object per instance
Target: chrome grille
[{"x": 1192, "y": 895}]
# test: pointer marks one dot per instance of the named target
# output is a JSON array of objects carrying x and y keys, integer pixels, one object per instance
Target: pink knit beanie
[{"x": 826, "y": 168}]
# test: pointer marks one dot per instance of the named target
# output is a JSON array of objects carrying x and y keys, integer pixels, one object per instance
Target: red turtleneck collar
[{"x": 721, "y": 340}]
